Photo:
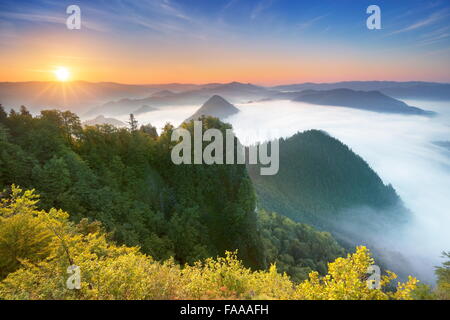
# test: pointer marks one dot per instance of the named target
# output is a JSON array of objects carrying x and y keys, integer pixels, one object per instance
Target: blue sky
[{"x": 244, "y": 35}]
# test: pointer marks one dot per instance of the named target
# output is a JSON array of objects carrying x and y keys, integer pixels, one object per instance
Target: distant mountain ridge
[
  {"x": 100, "y": 120},
  {"x": 233, "y": 91},
  {"x": 91, "y": 99},
  {"x": 217, "y": 107},
  {"x": 365, "y": 100},
  {"x": 163, "y": 93},
  {"x": 78, "y": 96},
  {"x": 143, "y": 109},
  {"x": 400, "y": 90}
]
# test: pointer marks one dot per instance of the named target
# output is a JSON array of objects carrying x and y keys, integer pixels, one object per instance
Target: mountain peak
[
  {"x": 162, "y": 94},
  {"x": 217, "y": 99},
  {"x": 101, "y": 119},
  {"x": 216, "y": 106}
]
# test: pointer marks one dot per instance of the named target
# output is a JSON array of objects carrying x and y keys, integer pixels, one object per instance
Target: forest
[
  {"x": 110, "y": 200},
  {"x": 319, "y": 178}
]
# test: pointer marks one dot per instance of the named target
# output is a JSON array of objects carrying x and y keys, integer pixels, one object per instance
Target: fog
[
  {"x": 398, "y": 147},
  {"x": 158, "y": 118}
]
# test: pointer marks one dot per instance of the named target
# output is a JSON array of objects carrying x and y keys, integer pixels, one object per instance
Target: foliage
[
  {"x": 125, "y": 179},
  {"x": 296, "y": 248},
  {"x": 345, "y": 281},
  {"x": 443, "y": 275},
  {"x": 110, "y": 271},
  {"x": 23, "y": 235}
]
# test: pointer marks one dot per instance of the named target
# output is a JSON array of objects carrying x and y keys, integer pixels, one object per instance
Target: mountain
[
  {"x": 163, "y": 93},
  {"x": 91, "y": 99},
  {"x": 77, "y": 96},
  {"x": 323, "y": 183},
  {"x": 365, "y": 100},
  {"x": 236, "y": 89},
  {"x": 320, "y": 180},
  {"x": 217, "y": 107},
  {"x": 234, "y": 92},
  {"x": 99, "y": 120},
  {"x": 400, "y": 90},
  {"x": 143, "y": 109}
]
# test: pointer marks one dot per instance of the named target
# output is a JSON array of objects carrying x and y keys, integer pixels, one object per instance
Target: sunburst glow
[{"x": 62, "y": 73}]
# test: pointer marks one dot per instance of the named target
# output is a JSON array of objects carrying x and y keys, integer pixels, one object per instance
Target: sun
[{"x": 62, "y": 73}]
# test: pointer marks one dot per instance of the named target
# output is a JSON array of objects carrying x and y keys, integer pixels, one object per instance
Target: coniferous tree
[
  {"x": 133, "y": 123},
  {"x": 3, "y": 114},
  {"x": 443, "y": 278}
]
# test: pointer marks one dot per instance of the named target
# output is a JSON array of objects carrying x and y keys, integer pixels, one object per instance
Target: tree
[
  {"x": 133, "y": 123},
  {"x": 346, "y": 280},
  {"x": 3, "y": 114},
  {"x": 53, "y": 179},
  {"x": 71, "y": 125},
  {"x": 443, "y": 275},
  {"x": 24, "y": 112},
  {"x": 23, "y": 236},
  {"x": 150, "y": 130}
]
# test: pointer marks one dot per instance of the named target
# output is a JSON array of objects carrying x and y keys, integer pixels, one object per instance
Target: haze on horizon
[{"x": 264, "y": 42}]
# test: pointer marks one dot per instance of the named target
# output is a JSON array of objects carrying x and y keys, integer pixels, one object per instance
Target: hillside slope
[
  {"x": 126, "y": 180},
  {"x": 217, "y": 107},
  {"x": 319, "y": 179},
  {"x": 365, "y": 100}
]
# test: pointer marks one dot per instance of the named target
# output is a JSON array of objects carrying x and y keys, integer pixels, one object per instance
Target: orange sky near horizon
[
  {"x": 257, "y": 71},
  {"x": 158, "y": 41},
  {"x": 97, "y": 59}
]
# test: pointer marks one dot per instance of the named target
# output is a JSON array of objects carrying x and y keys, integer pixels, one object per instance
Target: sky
[{"x": 264, "y": 42}]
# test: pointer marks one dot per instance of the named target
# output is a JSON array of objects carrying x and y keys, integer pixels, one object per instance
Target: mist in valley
[
  {"x": 400, "y": 148},
  {"x": 174, "y": 115}
]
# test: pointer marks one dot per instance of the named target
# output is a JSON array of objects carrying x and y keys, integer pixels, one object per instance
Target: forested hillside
[
  {"x": 320, "y": 179},
  {"x": 296, "y": 248},
  {"x": 49, "y": 242},
  {"x": 99, "y": 188},
  {"x": 125, "y": 179}
]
